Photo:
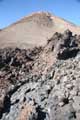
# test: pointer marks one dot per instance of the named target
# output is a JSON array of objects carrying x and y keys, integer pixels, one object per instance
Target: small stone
[
  {"x": 74, "y": 93},
  {"x": 58, "y": 81},
  {"x": 64, "y": 79},
  {"x": 76, "y": 103},
  {"x": 63, "y": 101},
  {"x": 48, "y": 89},
  {"x": 51, "y": 75},
  {"x": 61, "y": 104},
  {"x": 69, "y": 86}
]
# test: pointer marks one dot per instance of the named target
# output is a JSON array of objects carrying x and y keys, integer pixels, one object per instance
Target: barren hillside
[{"x": 34, "y": 30}]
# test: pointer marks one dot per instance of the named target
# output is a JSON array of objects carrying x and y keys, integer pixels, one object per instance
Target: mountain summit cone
[{"x": 34, "y": 30}]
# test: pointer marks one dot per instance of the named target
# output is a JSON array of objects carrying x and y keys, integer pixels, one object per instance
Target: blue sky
[{"x": 13, "y": 10}]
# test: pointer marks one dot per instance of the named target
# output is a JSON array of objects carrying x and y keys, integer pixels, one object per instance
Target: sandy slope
[{"x": 34, "y": 30}]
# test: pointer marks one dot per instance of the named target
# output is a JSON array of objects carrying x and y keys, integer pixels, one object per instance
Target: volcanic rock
[{"x": 41, "y": 83}]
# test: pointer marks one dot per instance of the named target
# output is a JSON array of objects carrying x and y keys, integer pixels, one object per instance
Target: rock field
[{"x": 42, "y": 83}]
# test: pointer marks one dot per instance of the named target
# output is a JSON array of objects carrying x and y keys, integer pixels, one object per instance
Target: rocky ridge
[{"x": 42, "y": 83}]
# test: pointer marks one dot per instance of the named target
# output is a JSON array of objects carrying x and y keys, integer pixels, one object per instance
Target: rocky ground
[{"x": 42, "y": 83}]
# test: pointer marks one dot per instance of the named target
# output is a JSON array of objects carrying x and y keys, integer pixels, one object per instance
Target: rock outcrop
[{"x": 42, "y": 83}]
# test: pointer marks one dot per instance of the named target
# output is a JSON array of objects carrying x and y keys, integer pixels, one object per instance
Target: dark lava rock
[{"x": 41, "y": 83}]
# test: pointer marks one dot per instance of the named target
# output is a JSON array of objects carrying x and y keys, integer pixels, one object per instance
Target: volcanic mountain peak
[
  {"x": 45, "y": 19},
  {"x": 39, "y": 18},
  {"x": 34, "y": 30}
]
